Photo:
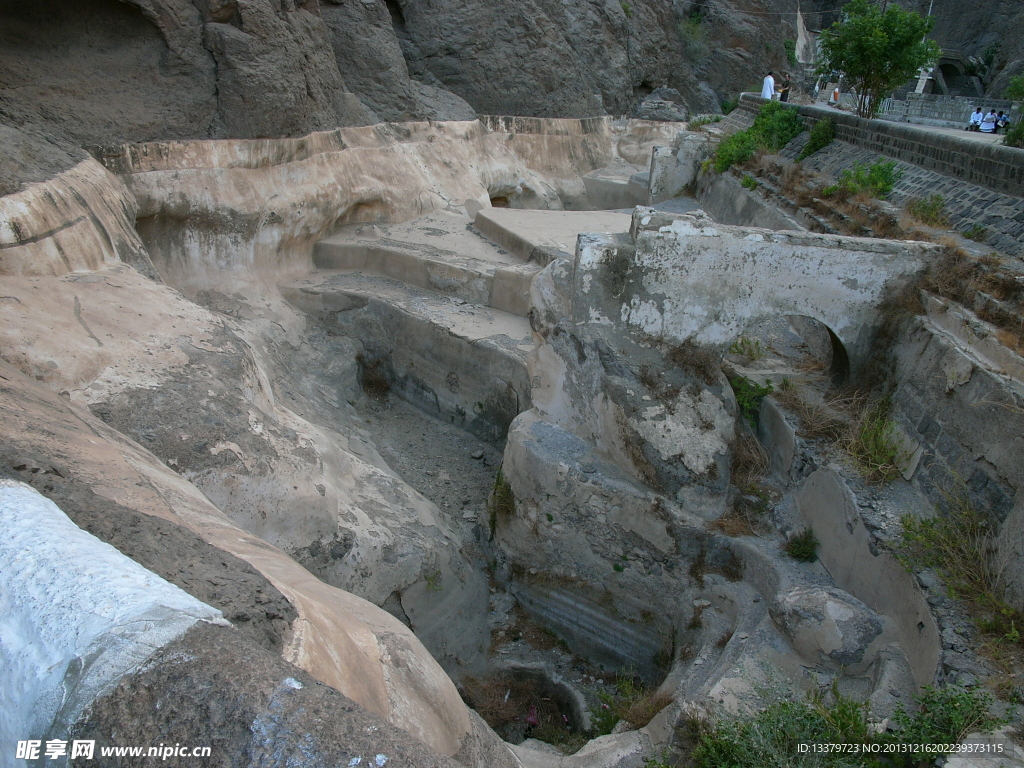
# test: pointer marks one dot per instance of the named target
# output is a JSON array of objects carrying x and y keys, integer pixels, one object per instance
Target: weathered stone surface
[
  {"x": 213, "y": 689},
  {"x": 687, "y": 278},
  {"x": 825, "y": 624}
]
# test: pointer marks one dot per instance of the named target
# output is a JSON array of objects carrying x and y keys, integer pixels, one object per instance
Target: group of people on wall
[{"x": 988, "y": 122}]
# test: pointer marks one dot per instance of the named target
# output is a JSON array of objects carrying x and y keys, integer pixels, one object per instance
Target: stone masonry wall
[
  {"x": 993, "y": 166},
  {"x": 966, "y": 204}
]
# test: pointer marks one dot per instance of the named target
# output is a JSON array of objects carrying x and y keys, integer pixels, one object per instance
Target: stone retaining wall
[
  {"x": 966, "y": 205},
  {"x": 992, "y": 166}
]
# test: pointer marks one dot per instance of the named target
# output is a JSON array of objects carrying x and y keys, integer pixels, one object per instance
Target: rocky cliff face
[{"x": 101, "y": 72}]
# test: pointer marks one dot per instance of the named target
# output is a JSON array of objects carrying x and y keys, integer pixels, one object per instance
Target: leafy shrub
[
  {"x": 928, "y": 210},
  {"x": 773, "y": 128},
  {"x": 944, "y": 716},
  {"x": 749, "y": 396},
  {"x": 803, "y": 546},
  {"x": 728, "y": 105},
  {"x": 1015, "y": 136},
  {"x": 771, "y": 737},
  {"x": 790, "y": 46},
  {"x": 627, "y": 9},
  {"x": 749, "y": 182},
  {"x": 1015, "y": 90},
  {"x": 876, "y": 180},
  {"x": 823, "y": 133}
]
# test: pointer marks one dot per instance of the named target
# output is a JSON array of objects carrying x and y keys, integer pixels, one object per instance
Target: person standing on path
[
  {"x": 768, "y": 88},
  {"x": 785, "y": 87}
]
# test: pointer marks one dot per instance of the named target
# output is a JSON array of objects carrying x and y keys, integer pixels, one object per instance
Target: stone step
[
  {"x": 542, "y": 236},
  {"x": 439, "y": 253},
  {"x": 462, "y": 362}
]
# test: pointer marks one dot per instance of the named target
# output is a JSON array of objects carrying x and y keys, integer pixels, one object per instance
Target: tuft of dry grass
[
  {"x": 828, "y": 419},
  {"x": 705, "y": 362},
  {"x": 641, "y": 710},
  {"x": 750, "y": 461}
]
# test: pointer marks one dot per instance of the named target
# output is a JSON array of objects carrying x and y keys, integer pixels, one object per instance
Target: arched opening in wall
[
  {"x": 791, "y": 346},
  {"x": 823, "y": 347}
]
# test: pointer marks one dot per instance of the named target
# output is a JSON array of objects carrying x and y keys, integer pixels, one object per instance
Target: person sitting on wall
[
  {"x": 988, "y": 123},
  {"x": 768, "y": 87},
  {"x": 974, "y": 123},
  {"x": 1002, "y": 122}
]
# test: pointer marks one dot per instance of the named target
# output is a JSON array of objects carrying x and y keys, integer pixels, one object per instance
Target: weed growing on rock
[
  {"x": 944, "y": 716},
  {"x": 502, "y": 502},
  {"x": 960, "y": 543},
  {"x": 803, "y": 546},
  {"x": 744, "y": 346},
  {"x": 928, "y": 210},
  {"x": 790, "y": 46},
  {"x": 693, "y": 37},
  {"x": 627, "y": 9},
  {"x": 823, "y": 133},
  {"x": 977, "y": 233},
  {"x": 750, "y": 461},
  {"x": 748, "y": 182}
]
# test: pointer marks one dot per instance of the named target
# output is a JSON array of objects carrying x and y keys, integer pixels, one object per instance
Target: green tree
[{"x": 876, "y": 50}]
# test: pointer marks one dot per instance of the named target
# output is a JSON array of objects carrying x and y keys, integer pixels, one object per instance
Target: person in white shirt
[
  {"x": 988, "y": 123},
  {"x": 768, "y": 88},
  {"x": 975, "y": 122}
]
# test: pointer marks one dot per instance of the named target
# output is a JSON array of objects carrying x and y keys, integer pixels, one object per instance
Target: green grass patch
[{"x": 960, "y": 543}]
